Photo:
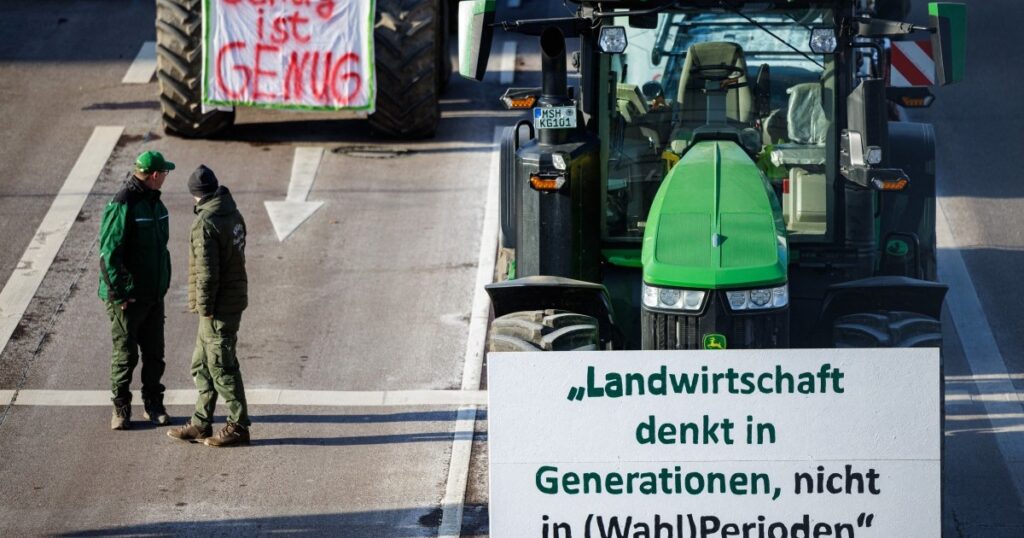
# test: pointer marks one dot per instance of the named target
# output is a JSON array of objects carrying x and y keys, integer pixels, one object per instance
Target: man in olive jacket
[
  {"x": 135, "y": 271},
  {"x": 217, "y": 291}
]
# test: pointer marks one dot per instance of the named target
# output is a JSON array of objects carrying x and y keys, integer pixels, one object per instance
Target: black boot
[{"x": 153, "y": 410}]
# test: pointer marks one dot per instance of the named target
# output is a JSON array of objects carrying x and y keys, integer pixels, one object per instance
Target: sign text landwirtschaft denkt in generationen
[{"x": 826, "y": 379}]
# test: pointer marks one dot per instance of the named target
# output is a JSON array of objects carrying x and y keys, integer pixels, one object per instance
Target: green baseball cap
[{"x": 152, "y": 161}]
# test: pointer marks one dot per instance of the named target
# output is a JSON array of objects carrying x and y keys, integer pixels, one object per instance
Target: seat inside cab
[
  {"x": 698, "y": 113},
  {"x": 803, "y": 156},
  {"x": 690, "y": 96}
]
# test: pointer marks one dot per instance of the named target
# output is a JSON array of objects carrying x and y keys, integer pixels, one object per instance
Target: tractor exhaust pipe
[{"x": 554, "y": 89}]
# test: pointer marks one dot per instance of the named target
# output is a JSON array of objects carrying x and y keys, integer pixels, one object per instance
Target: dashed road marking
[
  {"x": 142, "y": 69},
  {"x": 285, "y": 397},
  {"x": 35, "y": 262},
  {"x": 458, "y": 469},
  {"x": 998, "y": 394}
]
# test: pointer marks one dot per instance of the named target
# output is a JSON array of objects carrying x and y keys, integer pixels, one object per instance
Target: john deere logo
[
  {"x": 714, "y": 341},
  {"x": 896, "y": 247}
]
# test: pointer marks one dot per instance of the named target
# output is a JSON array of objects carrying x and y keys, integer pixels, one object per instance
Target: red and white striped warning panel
[{"x": 912, "y": 64}]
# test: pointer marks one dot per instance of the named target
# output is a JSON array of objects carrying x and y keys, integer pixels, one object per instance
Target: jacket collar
[
  {"x": 136, "y": 186},
  {"x": 212, "y": 202}
]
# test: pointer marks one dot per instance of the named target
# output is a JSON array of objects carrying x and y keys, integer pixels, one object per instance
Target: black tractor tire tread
[
  {"x": 179, "y": 71},
  {"x": 503, "y": 343},
  {"x": 444, "y": 59},
  {"x": 529, "y": 315},
  {"x": 520, "y": 328},
  {"x": 406, "y": 50},
  {"x": 544, "y": 330},
  {"x": 571, "y": 338},
  {"x": 565, "y": 319},
  {"x": 887, "y": 329}
]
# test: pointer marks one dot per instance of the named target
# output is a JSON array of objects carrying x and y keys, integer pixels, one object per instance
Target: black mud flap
[
  {"x": 544, "y": 292},
  {"x": 881, "y": 293}
]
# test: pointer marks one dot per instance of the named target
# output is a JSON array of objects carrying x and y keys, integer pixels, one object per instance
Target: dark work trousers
[
  {"x": 138, "y": 327},
  {"x": 215, "y": 370}
]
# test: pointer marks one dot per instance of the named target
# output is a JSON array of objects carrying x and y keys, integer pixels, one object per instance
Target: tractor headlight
[
  {"x": 612, "y": 39},
  {"x": 823, "y": 40},
  {"x": 673, "y": 298},
  {"x": 759, "y": 299}
]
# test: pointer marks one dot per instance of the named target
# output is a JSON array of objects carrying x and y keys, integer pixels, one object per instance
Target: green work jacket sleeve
[
  {"x": 115, "y": 280},
  {"x": 206, "y": 252}
]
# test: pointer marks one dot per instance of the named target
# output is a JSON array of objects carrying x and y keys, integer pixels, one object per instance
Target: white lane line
[
  {"x": 315, "y": 398},
  {"x": 979, "y": 345},
  {"x": 508, "y": 63},
  {"x": 458, "y": 469},
  {"x": 35, "y": 262},
  {"x": 486, "y": 258},
  {"x": 142, "y": 69}
]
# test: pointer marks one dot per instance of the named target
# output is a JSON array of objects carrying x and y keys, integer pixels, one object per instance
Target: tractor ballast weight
[{"x": 820, "y": 232}]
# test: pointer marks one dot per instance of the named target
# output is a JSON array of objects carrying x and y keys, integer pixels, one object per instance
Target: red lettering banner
[{"x": 294, "y": 54}]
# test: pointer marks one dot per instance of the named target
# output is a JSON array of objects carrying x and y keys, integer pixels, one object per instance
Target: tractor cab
[
  {"x": 727, "y": 79},
  {"x": 731, "y": 173}
]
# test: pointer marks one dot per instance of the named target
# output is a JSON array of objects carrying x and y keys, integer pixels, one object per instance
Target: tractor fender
[
  {"x": 880, "y": 293},
  {"x": 911, "y": 212},
  {"x": 559, "y": 293}
]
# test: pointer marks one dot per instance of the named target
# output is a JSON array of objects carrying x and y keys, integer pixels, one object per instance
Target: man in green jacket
[
  {"x": 135, "y": 271},
  {"x": 218, "y": 292}
]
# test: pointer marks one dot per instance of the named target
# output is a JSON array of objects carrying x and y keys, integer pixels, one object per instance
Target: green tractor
[{"x": 726, "y": 174}]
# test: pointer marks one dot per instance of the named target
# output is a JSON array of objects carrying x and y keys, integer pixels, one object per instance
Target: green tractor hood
[{"x": 715, "y": 223}]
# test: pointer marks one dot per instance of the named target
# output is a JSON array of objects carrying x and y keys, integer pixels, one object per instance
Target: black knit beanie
[{"x": 202, "y": 182}]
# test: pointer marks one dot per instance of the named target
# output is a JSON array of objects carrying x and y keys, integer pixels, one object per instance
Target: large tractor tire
[
  {"x": 179, "y": 71},
  {"x": 887, "y": 329},
  {"x": 444, "y": 58},
  {"x": 407, "y": 48},
  {"x": 544, "y": 330}
]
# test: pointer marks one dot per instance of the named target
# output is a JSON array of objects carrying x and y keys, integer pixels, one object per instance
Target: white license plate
[{"x": 555, "y": 117}]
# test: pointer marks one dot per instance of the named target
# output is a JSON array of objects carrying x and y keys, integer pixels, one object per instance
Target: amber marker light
[
  {"x": 917, "y": 102},
  {"x": 546, "y": 183},
  {"x": 520, "y": 102},
  {"x": 893, "y": 185}
]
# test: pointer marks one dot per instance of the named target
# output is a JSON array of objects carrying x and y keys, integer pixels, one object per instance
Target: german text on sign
[{"x": 299, "y": 54}]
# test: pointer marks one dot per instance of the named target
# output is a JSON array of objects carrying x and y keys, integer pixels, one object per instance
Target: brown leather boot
[
  {"x": 230, "y": 435},
  {"x": 191, "y": 432},
  {"x": 121, "y": 418}
]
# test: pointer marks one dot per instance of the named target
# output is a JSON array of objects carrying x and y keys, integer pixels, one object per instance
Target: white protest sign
[
  {"x": 795, "y": 443},
  {"x": 292, "y": 54}
]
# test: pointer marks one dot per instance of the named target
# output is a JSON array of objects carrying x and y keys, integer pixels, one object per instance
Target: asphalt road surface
[{"x": 374, "y": 294}]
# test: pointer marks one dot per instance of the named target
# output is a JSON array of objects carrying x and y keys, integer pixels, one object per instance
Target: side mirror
[
  {"x": 949, "y": 42},
  {"x": 864, "y": 144},
  {"x": 476, "y": 19},
  {"x": 763, "y": 91}
]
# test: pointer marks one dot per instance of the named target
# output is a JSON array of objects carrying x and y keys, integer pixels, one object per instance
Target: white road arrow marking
[{"x": 287, "y": 215}]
